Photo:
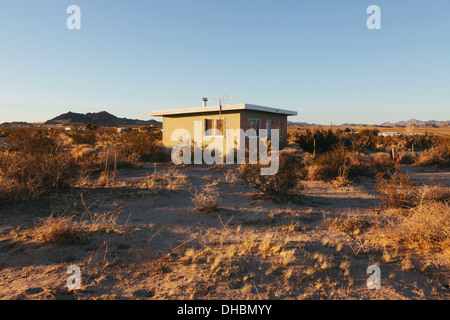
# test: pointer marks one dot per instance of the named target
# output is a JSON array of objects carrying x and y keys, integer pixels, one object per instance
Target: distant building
[
  {"x": 388, "y": 134},
  {"x": 120, "y": 130}
]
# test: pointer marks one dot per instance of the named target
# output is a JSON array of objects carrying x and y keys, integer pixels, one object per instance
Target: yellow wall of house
[
  {"x": 172, "y": 123},
  {"x": 233, "y": 120}
]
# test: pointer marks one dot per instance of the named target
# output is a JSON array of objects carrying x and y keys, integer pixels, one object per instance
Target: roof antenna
[{"x": 221, "y": 100}]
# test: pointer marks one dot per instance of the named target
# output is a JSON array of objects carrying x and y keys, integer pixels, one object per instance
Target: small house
[{"x": 215, "y": 120}]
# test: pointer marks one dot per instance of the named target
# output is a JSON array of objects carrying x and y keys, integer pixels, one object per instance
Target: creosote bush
[
  {"x": 397, "y": 189},
  {"x": 278, "y": 184},
  {"x": 341, "y": 163},
  {"x": 34, "y": 163},
  {"x": 436, "y": 156}
]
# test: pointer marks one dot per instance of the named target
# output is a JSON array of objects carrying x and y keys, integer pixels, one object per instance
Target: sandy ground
[{"x": 251, "y": 248}]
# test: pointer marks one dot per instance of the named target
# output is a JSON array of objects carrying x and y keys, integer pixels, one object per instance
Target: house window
[
  {"x": 253, "y": 126},
  {"x": 214, "y": 127}
]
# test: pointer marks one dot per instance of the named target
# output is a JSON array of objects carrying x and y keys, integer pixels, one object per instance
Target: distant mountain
[
  {"x": 102, "y": 118},
  {"x": 14, "y": 124},
  {"x": 417, "y": 123},
  {"x": 301, "y": 124},
  {"x": 414, "y": 122}
]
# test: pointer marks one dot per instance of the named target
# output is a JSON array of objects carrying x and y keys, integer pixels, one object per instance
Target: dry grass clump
[
  {"x": 207, "y": 199},
  {"x": 351, "y": 224},
  {"x": 230, "y": 176},
  {"x": 66, "y": 229},
  {"x": 59, "y": 229},
  {"x": 399, "y": 190},
  {"x": 233, "y": 255},
  {"x": 425, "y": 229},
  {"x": 162, "y": 180}
]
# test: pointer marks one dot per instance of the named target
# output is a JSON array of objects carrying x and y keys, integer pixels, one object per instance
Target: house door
[{"x": 269, "y": 129}]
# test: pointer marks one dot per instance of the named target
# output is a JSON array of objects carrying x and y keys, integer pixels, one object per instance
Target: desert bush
[
  {"x": 33, "y": 174},
  {"x": 318, "y": 141},
  {"x": 230, "y": 176},
  {"x": 382, "y": 162},
  {"x": 421, "y": 142},
  {"x": 163, "y": 180},
  {"x": 341, "y": 163},
  {"x": 83, "y": 137},
  {"x": 351, "y": 224},
  {"x": 426, "y": 228},
  {"x": 59, "y": 229},
  {"x": 33, "y": 163},
  {"x": 10, "y": 189},
  {"x": 147, "y": 145},
  {"x": 207, "y": 199},
  {"x": 436, "y": 156},
  {"x": 67, "y": 229},
  {"x": 32, "y": 141},
  {"x": 103, "y": 157},
  {"x": 278, "y": 184},
  {"x": 397, "y": 189}
]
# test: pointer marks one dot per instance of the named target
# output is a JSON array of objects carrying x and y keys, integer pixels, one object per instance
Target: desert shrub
[
  {"x": 164, "y": 180},
  {"x": 408, "y": 157},
  {"x": 341, "y": 163},
  {"x": 10, "y": 189},
  {"x": 351, "y": 224},
  {"x": 382, "y": 162},
  {"x": 318, "y": 141},
  {"x": 327, "y": 140},
  {"x": 83, "y": 137},
  {"x": 32, "y": 141},
  {"x": 421, "y": 142},
  {"x": 397, "y": 189},
  {"x": 103, "y": 158},
  {"x": 278, "y": 184},
  {"x": 147, "y": 145},
  {"x": 68, "y": 229},
  {"x": 436, "y": 156},
  {"x": 62, "y": 229},
  {"x": 33, "y": 174},
  {"x": 34, "y": 163},
  {"x": 230, "y": 176},
  {"x": 207, "y": 199},
  {"x": 426, "y": 228}
]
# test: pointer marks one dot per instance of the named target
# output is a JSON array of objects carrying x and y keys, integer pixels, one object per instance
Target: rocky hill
[{"x": 103, "y": 118}]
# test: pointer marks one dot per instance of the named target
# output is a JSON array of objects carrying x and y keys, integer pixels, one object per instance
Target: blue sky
[{"x": 315, "y": 57}]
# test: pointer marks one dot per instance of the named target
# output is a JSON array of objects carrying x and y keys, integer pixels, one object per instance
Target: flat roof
[{"x": 230, "y": 107}]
